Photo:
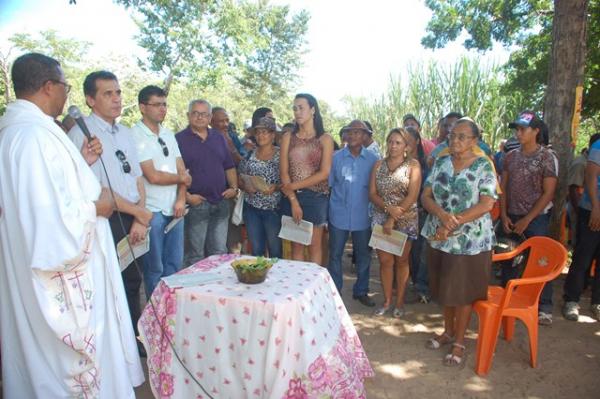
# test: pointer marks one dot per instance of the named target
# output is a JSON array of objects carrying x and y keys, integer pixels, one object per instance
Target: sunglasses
[
  {"x": 164, "y": 147},
  {"x": 121, "y": 157}
]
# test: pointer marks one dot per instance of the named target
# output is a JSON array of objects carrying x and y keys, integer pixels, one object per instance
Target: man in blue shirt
[{"x": 349, "y": 209}]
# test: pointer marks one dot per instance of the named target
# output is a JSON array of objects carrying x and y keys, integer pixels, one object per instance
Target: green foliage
[
  {"x": 527, "y": 68},
  {"x": 524, "y": 23},
  {"x": 432, "y": 91},
  {"x": 505, "y": 21},
  {"x": 208, "y": 42}
]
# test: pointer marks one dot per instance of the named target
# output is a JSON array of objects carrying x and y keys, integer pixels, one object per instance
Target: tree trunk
[{"x": 565, "y": 74}]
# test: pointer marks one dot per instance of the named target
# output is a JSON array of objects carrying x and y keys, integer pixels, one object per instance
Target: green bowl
[{"x": 247, "y": 274}]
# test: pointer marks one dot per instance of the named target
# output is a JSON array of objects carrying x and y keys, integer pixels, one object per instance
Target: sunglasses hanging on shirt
[
  {"x": 164, "y": 147},
  {"x": 124, "y": 163}
]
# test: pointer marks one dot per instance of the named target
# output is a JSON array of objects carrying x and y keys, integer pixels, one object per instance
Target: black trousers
[
  {"x": 587, "y": 248},
  {"x": 132, "y": 279}
]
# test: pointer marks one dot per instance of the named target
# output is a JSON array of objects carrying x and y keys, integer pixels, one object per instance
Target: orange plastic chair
[{"x": 519, "y": 300}]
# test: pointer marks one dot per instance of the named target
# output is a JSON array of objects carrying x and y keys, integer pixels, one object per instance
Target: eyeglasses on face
[
  {"x": 157, "y": 105},
  {"x": 123, "y": 159},
  {"x": 60, "y": 82},
  {"x": 460, "y": 137},
  {"x": 197, "y": 114},
  {"x": 164, "y": 147}
]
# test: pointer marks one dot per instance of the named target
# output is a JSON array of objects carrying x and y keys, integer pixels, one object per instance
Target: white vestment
[{"x": 64, "y": 322}]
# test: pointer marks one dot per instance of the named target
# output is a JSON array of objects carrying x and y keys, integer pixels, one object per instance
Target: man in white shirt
[
  {"x": 103, "y": 96},
  {"x": 63, "y": 315},
  {"x": 165, "y": 181}
]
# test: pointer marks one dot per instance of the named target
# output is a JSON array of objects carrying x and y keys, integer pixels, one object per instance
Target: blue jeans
[
  {"x": 166, "y": 251},
  {"x": 538, "y": 227},
  {"x": 360, "y": 243},
  {"x": 206, "y": 228},
  {"x": 263, "y": 230}
]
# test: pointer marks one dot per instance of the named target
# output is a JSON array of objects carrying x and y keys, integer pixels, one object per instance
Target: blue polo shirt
[
  {"x": 349, "y": 196},
  {"x": 207, "y": 161},
  {"x": 593, "y": 156}
]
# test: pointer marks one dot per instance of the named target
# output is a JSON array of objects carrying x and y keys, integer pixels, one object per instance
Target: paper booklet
[
  {"x": 393, "y": 243},
  {"x": 124, "y": 252},
  {"x": 258, "y": 183},
  {"x": 300, "y": 233}
]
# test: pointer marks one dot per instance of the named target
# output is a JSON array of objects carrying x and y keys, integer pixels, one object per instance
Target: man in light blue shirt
[{"x": 349, "y": 209}]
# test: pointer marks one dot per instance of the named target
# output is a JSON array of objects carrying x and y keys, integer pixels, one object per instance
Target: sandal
[
  {"x": 381, "y": 311},
  {"x": 438, "y": 341},
  {"x": 398, "y": 313},
  {"x": 452, "y": 360}
]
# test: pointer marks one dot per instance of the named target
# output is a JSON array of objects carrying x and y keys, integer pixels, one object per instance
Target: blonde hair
[{"x": 404, "y": 134}]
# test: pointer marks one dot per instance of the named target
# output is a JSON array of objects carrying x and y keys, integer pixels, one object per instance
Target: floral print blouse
[
  {"x": 455, "y": 193},
  {"x": 268, "y": 170}
]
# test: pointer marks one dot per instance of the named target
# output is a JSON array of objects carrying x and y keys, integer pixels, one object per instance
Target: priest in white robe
[{"x": 64, "y": 322}]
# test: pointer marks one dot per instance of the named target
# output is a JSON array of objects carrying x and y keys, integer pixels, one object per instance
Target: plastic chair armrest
[{"x": 508, "y": 255}]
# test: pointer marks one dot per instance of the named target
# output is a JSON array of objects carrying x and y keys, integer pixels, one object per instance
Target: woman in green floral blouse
[{"x": 459, "y": 194}]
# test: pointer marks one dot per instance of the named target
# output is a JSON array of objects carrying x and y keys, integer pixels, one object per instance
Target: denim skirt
[{"x": 314, "y": 206}]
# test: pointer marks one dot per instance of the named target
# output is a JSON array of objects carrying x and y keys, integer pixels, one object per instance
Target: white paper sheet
[
  {"x": 124, "y": 251},
  {"x": 191, "y": 279},
  {"x": 393, "y": 243},
  {"x": 300, "y": 233}
]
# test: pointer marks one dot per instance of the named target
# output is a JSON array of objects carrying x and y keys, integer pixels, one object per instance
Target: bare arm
[
  {"x": 548, "y": 187},
  {"x": 284, "y": 166},
  {"x": 158, "y": 177},
  {"x": 232, "y": 181},
  {"x": 485, "y": 204},
  {"x": 179, "y": 207},
  {"x": 506, "y": 223}
]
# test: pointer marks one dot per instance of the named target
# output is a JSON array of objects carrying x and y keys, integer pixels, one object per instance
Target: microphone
[{"x": 76, "y": 114}]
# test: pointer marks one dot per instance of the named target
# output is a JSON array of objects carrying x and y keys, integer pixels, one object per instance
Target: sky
[{"x": 354, "y": 46}]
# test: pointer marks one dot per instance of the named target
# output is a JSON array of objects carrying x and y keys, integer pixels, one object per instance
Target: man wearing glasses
[
  {"x": 214, "y": 181},
  {"x": 165, "y": 181},
  {"x": 60, "y": 310},
  {"x": 103, "y": 96}
]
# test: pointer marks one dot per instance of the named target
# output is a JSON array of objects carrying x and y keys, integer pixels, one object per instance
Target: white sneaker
[
  {"x": 544, "y": 319},
  {"x": 571, "y": 311}
]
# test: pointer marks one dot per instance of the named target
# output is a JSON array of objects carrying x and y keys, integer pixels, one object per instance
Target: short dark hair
[
  {"x": 218, "y": 109},
  {"x": 30, "y": 71},
  {"x": 89, "y": 84},
  {"x": 453, "y": 114},
  {"x": 370, "y": 127},
  {"x": 149, "y": 91},
  {"x": 260, "y": 113}
]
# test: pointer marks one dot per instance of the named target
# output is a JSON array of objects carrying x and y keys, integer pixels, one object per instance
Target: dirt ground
[{"x": 568, "y": 354}]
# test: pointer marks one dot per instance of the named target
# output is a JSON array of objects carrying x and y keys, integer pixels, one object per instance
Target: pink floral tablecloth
[{"x": 289, "y": 337}]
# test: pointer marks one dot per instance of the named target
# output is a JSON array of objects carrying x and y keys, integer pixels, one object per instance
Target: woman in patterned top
[
  {"x": 306, "y": 155},
  {"x": 459, "y": 194},
  {"x": 261, "y": 208},
  {"x": 393, "y": 189},
  {"x": 529, "y": 178}
]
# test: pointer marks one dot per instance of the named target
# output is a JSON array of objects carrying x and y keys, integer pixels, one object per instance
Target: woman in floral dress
[
  {"x": 459, "y": 193},
  {"x": 394, "y": 189}
]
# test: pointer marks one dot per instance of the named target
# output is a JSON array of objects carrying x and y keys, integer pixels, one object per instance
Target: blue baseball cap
[{"x": 525, "y": 119}]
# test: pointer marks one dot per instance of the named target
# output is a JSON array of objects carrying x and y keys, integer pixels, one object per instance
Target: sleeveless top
[
  {"x": 392, "y": 187},
  {"x": 305, "y": 160}
]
